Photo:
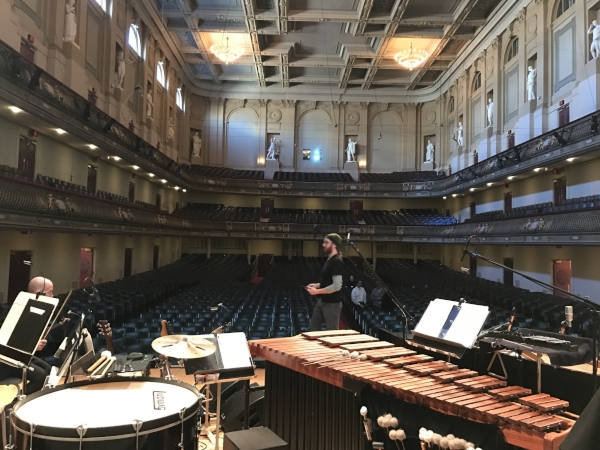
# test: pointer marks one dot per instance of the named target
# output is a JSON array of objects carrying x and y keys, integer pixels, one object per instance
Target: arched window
[
  {"x": 451, "y": 105},
  {"x": 477, "y": 81},
  {"x": 563, "y": 5},
  {"x": 160, "y": 73},
  {"x": 513, "y": 49},
  {"x": 102, "y": 4},
  {"x": 133, "y": 39},
  {"x": 179, "y": 99}
]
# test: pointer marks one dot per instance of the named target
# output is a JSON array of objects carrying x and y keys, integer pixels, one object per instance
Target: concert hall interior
[{"x": 299, "y": 224}]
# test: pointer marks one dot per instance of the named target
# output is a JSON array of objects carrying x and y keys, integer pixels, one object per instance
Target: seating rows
[
  {"x": 224, "y": 172},
  {"x": 313, "y": 177},
  {"x": 407, "y": 217},
  {"x": 332, "y": 216},
  {"x": 400, "y": 177},
  {"x": 11, "y": 172},
  {"x": 60, "y": 184},
  {"x": 213, "y": 211}
]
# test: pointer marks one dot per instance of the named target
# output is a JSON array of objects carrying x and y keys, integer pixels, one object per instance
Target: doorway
[
  {"x": 473, "y": 265},
  {"x": 26, "y": 158},
  {"x": 86, "y": 266},
  {"x": 561, "y": 276},
  {"x": 91, "y": 179},
  {"x": 356, "y": 207},
  {"x": 155, "y": 257},
  {"x": 266, "y": 209},
  {"x": 131, "y": 196},
  {"x": 563, "y": 116},
  {"x": 508, "y": 275},
  {"x": 128, "y": 261},
  {"x": 508, "y": 202},
  {"x": 473, "y": 209},
  {"x": 560, "y": 191},
  {"x": 18, "y": 274}
]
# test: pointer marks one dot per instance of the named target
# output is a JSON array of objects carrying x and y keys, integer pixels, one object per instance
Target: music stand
[
  {"x": 23, "y": 328},
  {"x": 231, "y": 360},
  {"x": 449, "y": 327}
]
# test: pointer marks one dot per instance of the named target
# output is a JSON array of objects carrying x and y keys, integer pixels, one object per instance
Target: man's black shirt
[{"x": 333, "y": 266}]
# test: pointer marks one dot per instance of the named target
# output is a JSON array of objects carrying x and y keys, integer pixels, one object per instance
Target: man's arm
[{"x": 336, "y": 270}]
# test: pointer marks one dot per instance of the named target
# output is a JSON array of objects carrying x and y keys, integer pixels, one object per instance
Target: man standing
[
  {"x": 41, "y": 369},
  {"x": 377, "y": 295},
  {"x": 329, "y": 304},
  {"x": 359, "y": 295}
]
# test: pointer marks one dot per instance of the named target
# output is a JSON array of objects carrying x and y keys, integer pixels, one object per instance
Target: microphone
[
  {"x": 466, "y": 249},
  {"x": 512, "y": 318},
  {"x": 569, "y": 316},
  {"x": 347, "y": 240}
]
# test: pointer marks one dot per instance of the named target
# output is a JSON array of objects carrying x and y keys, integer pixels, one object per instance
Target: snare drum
[{"x": 122, "y": 414}]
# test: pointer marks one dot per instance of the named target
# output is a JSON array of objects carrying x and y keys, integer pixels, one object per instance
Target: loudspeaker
[
  {"x": 227, "y": 390},
  {"x": 232, "y": 410},
  {"x": 254, "y": 439}
]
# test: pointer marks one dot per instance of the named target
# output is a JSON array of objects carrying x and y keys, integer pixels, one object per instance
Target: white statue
[
  {"x": 430, "y": 153},
  {"x": 490, "y": 112},
  {"x": 351, "y": 151},
  {"x": 459, "y": 134},
  {"x": 197, "y": 144},
  {"x": 149, "y": 104},
  {"x": 70, "y": 23},
  {"x": 531, "y": 83},
  {"x": 120, "y": 75},
  {"x": 594, "y": 30},
  {"x": 171, "y": 129},
  {"x": 271, "y": 150}
]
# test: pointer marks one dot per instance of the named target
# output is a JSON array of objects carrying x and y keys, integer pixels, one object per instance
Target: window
[
  {"x": 179, "y": 99},
  {"x": 451, "y": 106},
  {"x": 102, "y": 4},
  {"x": 133, "y": 39},
  {"x": 563, "y": 5},
  {"x": 477, "y": 81},
  {"x": 160, "y": 73},
  {"x": 513, "y": 49}
]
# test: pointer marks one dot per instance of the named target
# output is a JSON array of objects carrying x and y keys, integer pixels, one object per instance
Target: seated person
[
  {"x": 359, "y": 295},
  {"x": 41, "y": 369}
]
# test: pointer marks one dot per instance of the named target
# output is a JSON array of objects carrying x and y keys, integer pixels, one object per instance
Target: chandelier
[
  {"x": 226, "y": 53},
  {"x": 411, "y": 58}
]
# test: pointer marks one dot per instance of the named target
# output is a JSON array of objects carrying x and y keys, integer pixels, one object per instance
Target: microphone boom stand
[
  {"x": 595, "y": 309},
  {"x": 407, "y": 316}
]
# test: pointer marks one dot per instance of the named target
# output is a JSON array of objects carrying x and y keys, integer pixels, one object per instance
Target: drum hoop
[
  {"x": 102, "y": 438},
  {"x": 173, "y": 418}
]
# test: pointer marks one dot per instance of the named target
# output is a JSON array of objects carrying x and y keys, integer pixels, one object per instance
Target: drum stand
[{"x": 165, "y": 368}]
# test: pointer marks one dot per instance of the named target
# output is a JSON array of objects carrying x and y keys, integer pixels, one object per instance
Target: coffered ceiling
[{"x": 341, "y": 44}]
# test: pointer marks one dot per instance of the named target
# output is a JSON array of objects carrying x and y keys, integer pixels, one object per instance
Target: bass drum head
[{"x": 104, "y": 414}]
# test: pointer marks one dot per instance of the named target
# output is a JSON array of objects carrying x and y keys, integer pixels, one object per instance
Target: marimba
[{"x": 527, "y": 421}]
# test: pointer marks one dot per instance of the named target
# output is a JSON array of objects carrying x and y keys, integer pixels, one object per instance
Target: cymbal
[{"x": 183, "y": 347}]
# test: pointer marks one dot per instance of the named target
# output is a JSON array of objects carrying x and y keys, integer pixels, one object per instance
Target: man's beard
[{"x": 329, "y": 250}]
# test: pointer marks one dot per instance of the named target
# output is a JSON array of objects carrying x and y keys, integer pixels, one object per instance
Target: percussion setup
[{"x": 114, "y": 401}]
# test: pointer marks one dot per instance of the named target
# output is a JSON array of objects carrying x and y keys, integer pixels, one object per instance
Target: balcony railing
[{"x": 33, "y": 85}]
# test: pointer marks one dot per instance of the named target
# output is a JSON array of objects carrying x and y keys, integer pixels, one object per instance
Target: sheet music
[
  {"x": 468, "y": 324},
  {"x": 462, "y": 330},
  {"x": 234, "y": 350},
  {"x": 434, "y": 317}
]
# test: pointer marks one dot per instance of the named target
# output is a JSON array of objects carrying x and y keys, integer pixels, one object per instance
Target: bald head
[{"x": 42, "y": 285}]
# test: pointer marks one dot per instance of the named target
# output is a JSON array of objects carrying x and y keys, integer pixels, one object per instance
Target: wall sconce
[
  {"x": 261, "y": 161},
  {"x": 317, "y": 155},
  {"x": 362, "y": 164}
]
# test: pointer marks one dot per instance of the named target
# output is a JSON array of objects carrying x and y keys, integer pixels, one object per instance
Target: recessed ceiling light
[
  {"x": 537, "y": 169},
  {"x": 511, "y": 177},
  {"x": 472, "y": 189},
  {"x": 453, "y": 195},
  {"x": 60, "y": 131},
  {"x": 176, "y": 188},
  {"x": 489, "y": 184},
  {"x": 135, "y": 167},
  {"x": 116, "y": 158},
  {"x": 163, "y": 181},
  {"x": 15, "y": 110},
  {"x": 570, "y": 159},
  {"x": 151, "y": 175},
  {"x": 92, "y": 146},
  {"x": 444, "y": 197},
  {"x": 185, "y": 190}
]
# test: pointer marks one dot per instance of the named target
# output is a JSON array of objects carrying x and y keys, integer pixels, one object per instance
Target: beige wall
[
  {"x": 57, "y": 255},
  {"x": 535, "y": 262}
]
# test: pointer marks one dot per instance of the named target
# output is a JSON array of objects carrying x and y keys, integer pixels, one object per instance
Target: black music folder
[{"x": 24, "y": 326}]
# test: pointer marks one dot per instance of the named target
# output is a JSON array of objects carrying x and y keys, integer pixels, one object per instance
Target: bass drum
[{"x": 122, "y": 414}]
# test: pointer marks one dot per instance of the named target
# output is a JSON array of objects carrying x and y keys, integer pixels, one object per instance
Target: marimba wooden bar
[{"x": 526, "y": 420}]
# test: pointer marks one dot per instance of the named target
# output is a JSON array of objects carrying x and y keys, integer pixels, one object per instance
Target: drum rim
[{"x": 101, "y": 433}]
